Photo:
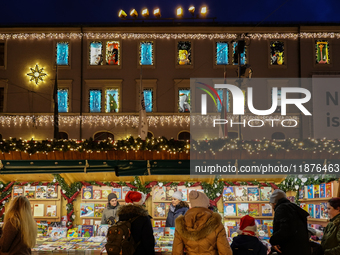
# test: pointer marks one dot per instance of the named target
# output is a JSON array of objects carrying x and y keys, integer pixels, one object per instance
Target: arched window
[
  {"x": 278, "y": 136},
  {"x": 150, "y": 135},
  {"x": 184, "y": 135},
  {"x": 63, "y": 135},
  {"x": 103, "y": 136},
  {"x": 232, "y": 135}
]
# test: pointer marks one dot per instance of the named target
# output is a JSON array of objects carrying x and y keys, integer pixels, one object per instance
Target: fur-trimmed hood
[
  {"x": 197, "y": 223},
  {"x": 130, "y": 209}
]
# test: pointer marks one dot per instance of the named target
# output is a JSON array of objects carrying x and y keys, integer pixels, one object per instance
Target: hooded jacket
[
  {"x": 331, "y": 238},
  {"x": 109, "y": 212},
  {"x": 174, "y": 212},
  {"x": 290, "y": 229},
  {"x": 200, "y": 231},
  {"x": 242, "y": 245},
  {"x": 141, "y": 228}
]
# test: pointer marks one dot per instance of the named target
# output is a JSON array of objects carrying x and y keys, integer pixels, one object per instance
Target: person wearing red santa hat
[
  {"x": 247, "y": 242},
  {"x": 141, "y": 227}
]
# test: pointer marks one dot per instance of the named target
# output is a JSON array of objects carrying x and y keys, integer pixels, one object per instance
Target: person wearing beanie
[
  {"x": 177, "y": 208},
  {"x": 141, "y": 227},
  {"x": 110, "y": 212},
  {"x": 200, "y": 231},
  {"x": 247, "y": 241},
  {"x": 290, "y": 233}
]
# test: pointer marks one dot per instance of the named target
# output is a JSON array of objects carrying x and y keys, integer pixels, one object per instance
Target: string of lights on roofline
[
  {"x": 174, "y": 36},
  {"x": 133, "y": 121}
]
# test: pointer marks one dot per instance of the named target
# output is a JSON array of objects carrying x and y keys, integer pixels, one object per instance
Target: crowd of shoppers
[{"x": 198, "y": 230}]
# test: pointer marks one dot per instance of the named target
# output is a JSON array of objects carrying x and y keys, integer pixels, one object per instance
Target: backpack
[{"x": 119, "y": 238}]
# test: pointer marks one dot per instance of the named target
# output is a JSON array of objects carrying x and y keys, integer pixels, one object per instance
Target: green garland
[{"x": 163, "y": 144}]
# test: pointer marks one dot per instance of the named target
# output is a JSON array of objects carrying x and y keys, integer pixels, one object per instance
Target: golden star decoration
[{"x": 36, "y": 74}]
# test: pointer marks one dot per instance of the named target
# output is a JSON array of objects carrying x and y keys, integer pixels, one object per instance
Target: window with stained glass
[
  {"x": 112, "y": 100},
  {"x": 148, "y": 96},
  {"x": 63, "y": 100},
  {"x": 62, "y": 53},
  {"x": 184, "y": 104},
  {"x": 222, "y": 53},
  {"x": 96, "y": 53},
  {"x": 146, "y": 53},
  {"x": 277, "y": 53},
  {"x": 243, "y": 55},
  {"x": 95, "y": 100},
  {"x": 184, "y": 53},
  {"x": 322, "y": 52},
  {"x": 220, "y": 94},
  {"x": 113, "y": 53}
]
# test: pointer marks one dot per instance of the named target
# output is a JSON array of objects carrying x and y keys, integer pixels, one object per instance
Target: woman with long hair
[{"x": 19, "y": 232}]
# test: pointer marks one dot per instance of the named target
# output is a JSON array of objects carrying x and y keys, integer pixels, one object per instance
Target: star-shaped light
[{"x": 36, "y": 74}]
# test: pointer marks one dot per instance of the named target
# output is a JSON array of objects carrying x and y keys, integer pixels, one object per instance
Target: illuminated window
[
  {"x": 277, "y": 53},
  {"x": 219, "y": 106},
  {"x": 62, "y": 53},
  {"x": 322, "y": 52},
  {"x": 95, "y": 100},
  {"x": 148, "y": 95},
  {"x": 112, "y": 53},
  {"x": 96, "y": 53},
  {"x": 184, "y": 104},
  {"x": 146, "y": 53},
  {"x": 63, "y": 100},
  {"x": 184, "y": 53},
  {"x": 112, "y": 100},
  {"x": 2, "y": 54},
  {"x": 243, "y": 55},
  {"x": 222, "y": 53},
  {"x": 2, "y": 96},
  {"x": 103, "y": 136}
]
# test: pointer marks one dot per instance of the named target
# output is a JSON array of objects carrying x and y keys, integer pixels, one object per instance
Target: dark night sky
[{"x": 75, "y": 12}]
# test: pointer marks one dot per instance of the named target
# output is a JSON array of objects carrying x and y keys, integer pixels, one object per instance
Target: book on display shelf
[
  {"x": 87, "y": 230},
  {"x": 228, "y": 194},
  {"x": 102, "y": 229},
  {"x": 159, "y": 193},
  {"x": 266, "y": 210},
  {"x": 105, "y": 192},
  {"x": 242, "y": 209},
  {"x": 267, "y": 222},
  {"x": 302, "y": 193},
  {"x": 316, "y": 188},
  {"x": 184, "y": 191},
  {"x": 257, "y": 222},
  {"x": 322, "y": 190},
  {"x": 72, "y": 232},
  {"x": 232, "y": 230},
  {"x": 323, "y": 208},
  {"x": 118, "y": 192},
  {"x": 169, "y": 191},
  {"x": 51, "y": 211},
  {"x": 87, "y": 192},
  {"x": 29, "y": 192},
  {"x": 311, "y": 210},
  {"x": 98, "y": 210},
  {"x": 86, "y": 210},
  {"x": 38, "y": 210},
  {"x": 158, "y": 232},
  {"x": 97, "y": 194},
  {"x": 317, "y": 211},
  {"x": 229, "y": 210},
  {"x": 253, "y": 194},
  {"x": 125, "y": 190},
  {"x": 52, "y": 192},
  {"x": 40, "y": 192},
  {"x": 329, "y": 189},
  {"x": 18, "y": 191},
  {"x": 265, "y": 193},
  {"x": 169, "y": 231},
  {"x": 241, "y": 193},
  {"x": 254, "y": 210},
  {"x": 159, "y": 210},
  {"x": 310, "y": 191}
]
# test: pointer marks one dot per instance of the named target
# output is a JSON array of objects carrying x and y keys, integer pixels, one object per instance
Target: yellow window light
[
  {"x": 145, "y": 13},
  {"x": 134, "y": 13},
  {"x": 204, "y": 10},
  {"x": 192, "y": 10},
  {"x": 157, "y": 13},
  {"x": 122, "y": 14},
  {"x": 179, "y": 12}
]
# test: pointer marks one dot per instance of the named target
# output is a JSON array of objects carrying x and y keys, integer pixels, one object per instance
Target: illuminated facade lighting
[
  {"x": 122, "y": 14},
  {"x": 36, "y": 74},
  {"x": 179, "y": 12},
  {"x": 134, "y": 13},
  {"x": 192, "y": 10},
  {"x": 204, "y": 10},
  {"x": 157, "y": 13},
  {"x": 145, "y": 13}
]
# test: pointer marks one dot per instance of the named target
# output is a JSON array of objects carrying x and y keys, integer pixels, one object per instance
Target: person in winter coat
[
  {"x": 200, "y": 231},
  {"x": 141, "y": 227},
  {"x": 246, "y": 241},
  {"x": 110, "y": 212},
  {"x": 177, "y": 208},
  {"x": 290, "y": 233},
  {"x": 331, "y": 239},
  {"x": 19, "y": 229}
]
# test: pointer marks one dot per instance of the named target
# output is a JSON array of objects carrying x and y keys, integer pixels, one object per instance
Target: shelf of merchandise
[
  {"x": 256, "y": 217},
  {"x": 102, "y": 201},
  {"x": 323, "y": 199},
  {"x": 246, "y": 202},
  {"x": 318, "y": 220}
]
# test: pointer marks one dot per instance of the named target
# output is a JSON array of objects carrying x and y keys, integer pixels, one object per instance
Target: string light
[
  {"x": 133, "y": 121},
  {"x": 175, "y": 36}
]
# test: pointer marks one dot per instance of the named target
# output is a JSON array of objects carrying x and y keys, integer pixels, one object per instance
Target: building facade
[{"x": 99, "y": 71}]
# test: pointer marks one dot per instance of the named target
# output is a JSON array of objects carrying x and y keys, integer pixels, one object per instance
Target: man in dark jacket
[
  {"x": 290, "y": 233},
  {"x": 141, "y": 227}
]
